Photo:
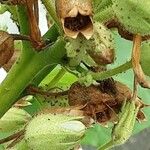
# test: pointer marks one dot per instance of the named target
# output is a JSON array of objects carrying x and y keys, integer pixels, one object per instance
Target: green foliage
[{"x": 64, "y": 61}]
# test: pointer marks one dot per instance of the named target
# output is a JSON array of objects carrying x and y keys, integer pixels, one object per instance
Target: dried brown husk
[
  {"x": 13, "y": 59},
  {"x": 103, "y": 101},
  {"x": 6, "y": 47},
  {"x": 76, "y": 17}
]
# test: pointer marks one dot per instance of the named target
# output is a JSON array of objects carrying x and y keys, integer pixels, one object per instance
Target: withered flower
[
  {"x": 6, "y": 47},
  {"x": 103, "y": 101},
  {"x": 76, "y": 17}
]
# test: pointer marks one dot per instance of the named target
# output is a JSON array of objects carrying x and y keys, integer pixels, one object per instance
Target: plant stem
[
  {"x": 27, "y": 67},
  {"x": 50, "y": 8},
  {"x": 107, "y": 74}
]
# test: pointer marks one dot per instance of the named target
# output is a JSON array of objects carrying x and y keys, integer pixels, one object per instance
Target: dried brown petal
[
  {"x": 76, "y": 17},
  {"x": 6, "y": 47},
  {"x": 13, "y": 59},
  {"x": 102, "y": 102}
]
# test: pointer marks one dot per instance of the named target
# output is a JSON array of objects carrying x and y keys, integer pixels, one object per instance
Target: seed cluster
[{"x": 77, "y": 23}]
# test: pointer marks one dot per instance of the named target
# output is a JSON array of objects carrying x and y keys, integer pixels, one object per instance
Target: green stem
[
  {"x": 106, "y": 146},
  {"x": 27, "y": 67},
  {"x": 112, "y": 72},
  {"x": 56, "y": 79},
  {"x": 50, "y": 8},
  {"x": 23, "y": 73}
]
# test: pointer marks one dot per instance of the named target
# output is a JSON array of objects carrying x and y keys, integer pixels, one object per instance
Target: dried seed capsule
[
  {"x": 54, "y": 132},
  {"x": 6, "y": 47},
  {"x": 76, "y": 17},
  {"x": 13, "y": 120}
]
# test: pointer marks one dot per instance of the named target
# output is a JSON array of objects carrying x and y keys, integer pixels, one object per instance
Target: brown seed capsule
[
  {"x": 76, "y": 17},
  {"x": 6, "y": 47}
]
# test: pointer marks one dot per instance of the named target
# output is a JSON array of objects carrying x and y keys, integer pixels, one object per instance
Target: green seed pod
[
  {"x": 54, "y": 132},
  {"x": 14, "y": 120},
  {"x": 145, "y": 57},
  {"x": 76, "y": 17},
  {"x": 123, "y": 129},
  {"x": 134, "y": 15},
  {"x": 101, "y": 46}
]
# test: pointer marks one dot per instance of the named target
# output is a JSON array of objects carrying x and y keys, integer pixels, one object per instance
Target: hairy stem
[
  {"x": 27, "y": 67},
  {"x": 112, "y": 72},
  {"x": 50, "y": 8}
]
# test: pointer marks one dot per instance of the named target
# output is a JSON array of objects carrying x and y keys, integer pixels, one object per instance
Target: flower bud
[
  {"x": 54, "y": 131},
  {"x": 14, "y": 120},
  {"x": 101, "y": 45},
  {"x": 123, "y": 129},
  {"x": 76, "y": 17}
]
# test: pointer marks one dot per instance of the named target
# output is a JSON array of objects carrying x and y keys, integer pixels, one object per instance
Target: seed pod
[
  {"x": 54, "y": 132},
  {"x": 6, "y": 47},
  {"x": 13, "y": 120},
  {"x": 101, "y": 45},
  {"x": 76, "y": 17},
  {"x": 123, "y": 129}
]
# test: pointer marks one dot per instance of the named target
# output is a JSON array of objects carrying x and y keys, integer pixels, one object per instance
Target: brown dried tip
[
  {"x": 6, "y": 47},
  {"x": 102, "y": 102},
  {"x": 76, "y": 17}
]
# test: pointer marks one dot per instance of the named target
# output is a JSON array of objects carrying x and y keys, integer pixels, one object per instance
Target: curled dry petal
[
  {"x": 102, "y": 102},
  {"x": 6, "y": 47},
  {"x": 76, "y": 17}
]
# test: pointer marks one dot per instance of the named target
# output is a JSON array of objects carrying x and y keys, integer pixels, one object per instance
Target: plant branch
[
  {"x": 35, "y": 90},
  {"x": 50, "y": 8},
  {"x": 109, "y": 73}
]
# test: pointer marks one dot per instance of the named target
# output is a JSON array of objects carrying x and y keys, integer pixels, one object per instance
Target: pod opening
[{"x": 77, "y": 23}]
